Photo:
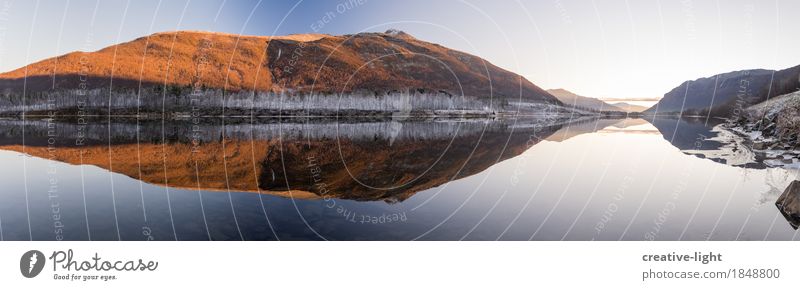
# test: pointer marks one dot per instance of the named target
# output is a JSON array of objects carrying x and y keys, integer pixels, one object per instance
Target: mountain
[
  {"x": 291, "y": 159},
  {"x": 364, "y": 62},
  {"x": 725, "y": 94},
  {"x": 585, "y": 126},
  {"x": 572, "y": 99},
  {"x": 629, "y": 107}
]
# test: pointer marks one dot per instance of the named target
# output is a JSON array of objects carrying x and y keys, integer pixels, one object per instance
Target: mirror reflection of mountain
[
  {"x": 377, "y": 160},
  {"x": 367, "y": 166},
  {"x": 591, "y": 125}
]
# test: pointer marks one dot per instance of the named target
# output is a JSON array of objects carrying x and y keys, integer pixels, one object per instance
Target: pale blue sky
[{"x": 605, "y": 49}]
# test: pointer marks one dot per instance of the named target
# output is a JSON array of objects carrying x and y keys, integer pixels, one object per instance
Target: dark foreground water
[{"x": 532, "y": 179}]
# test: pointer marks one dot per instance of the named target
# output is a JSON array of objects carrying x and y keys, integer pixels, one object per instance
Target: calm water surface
[{"x": 532, "y": 179}]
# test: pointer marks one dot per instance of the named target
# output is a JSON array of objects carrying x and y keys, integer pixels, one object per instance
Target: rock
[
  {"x": 759, "y": 146},
  {"x": 789, "y": 204}
]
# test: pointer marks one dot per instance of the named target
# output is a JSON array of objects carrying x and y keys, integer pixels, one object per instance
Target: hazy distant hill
[
  {"x": 629, "y": 107},
  {"x": 372, "y": 62},
  {"x": 572, "y": 99},
  {"x": 724, "y": 94}
]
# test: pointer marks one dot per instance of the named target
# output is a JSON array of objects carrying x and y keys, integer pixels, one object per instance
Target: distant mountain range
[
  {"x": 572, "y": 99},
  {"x": 725, "y": 94},
  {"x": 364, "y": 62}
]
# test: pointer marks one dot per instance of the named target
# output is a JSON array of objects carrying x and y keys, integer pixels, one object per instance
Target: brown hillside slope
[{"x": 376, "y": 62}]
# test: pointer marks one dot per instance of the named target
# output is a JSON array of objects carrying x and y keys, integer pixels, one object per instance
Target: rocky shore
[{"x": 773, "y": 130}]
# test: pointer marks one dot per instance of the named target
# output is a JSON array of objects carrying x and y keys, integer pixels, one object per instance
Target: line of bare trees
[{"x": 177, "y": 99}]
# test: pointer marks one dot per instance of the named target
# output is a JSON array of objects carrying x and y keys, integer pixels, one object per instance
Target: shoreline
[{"x": 770, "y": 152}]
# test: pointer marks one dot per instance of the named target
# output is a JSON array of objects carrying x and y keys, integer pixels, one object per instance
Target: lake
[{"x": 376, "y": 179}]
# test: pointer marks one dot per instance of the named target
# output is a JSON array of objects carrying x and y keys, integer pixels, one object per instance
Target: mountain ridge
[
  {"x": 573, "y": 99},
  {"x": 726, "y": 93}
]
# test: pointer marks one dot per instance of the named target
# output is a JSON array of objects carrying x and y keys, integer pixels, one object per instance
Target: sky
[{"x": 619, "y": 49}]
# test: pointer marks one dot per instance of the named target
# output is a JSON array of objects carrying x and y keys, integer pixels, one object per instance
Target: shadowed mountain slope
[{"x": 725, "y": 94}]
